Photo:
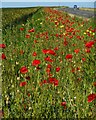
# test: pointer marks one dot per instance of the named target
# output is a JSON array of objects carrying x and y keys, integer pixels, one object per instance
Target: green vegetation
[
  {"x": 48, "y": 67},
  {"x": 9, "y": 15}
]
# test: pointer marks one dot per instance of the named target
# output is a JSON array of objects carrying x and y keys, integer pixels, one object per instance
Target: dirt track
[{"x": 83, "y": 13}]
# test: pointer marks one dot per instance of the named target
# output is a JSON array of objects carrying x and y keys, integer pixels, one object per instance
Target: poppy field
[{"x": 49, "y": 67}]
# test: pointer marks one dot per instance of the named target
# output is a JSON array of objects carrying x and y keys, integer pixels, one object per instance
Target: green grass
[
  {"x": 10, "y": 15},
  {"x": 73, "y": 88}
]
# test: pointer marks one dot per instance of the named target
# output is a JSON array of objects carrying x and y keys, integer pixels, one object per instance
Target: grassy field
[
  {"x": 49, "y": 67},
  {"x": 15, "y": 15},
  {"x": 88, "y": 9}
]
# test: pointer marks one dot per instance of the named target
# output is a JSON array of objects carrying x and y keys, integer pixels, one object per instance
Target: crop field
[
  {"x": 49, "y": 67},
  {"x": 14, "y": 15},
  {"x": 88, "y": 9}
]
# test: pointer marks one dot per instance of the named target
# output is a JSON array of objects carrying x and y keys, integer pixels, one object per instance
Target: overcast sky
[{"x": 47, "y": 0}]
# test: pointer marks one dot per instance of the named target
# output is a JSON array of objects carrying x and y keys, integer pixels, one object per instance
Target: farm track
[{"x": 83, "y": 13}]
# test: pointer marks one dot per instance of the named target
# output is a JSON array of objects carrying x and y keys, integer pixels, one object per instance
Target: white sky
[{"x": 47, "y": 0}]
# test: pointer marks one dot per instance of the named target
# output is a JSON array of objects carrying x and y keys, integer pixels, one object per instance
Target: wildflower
[
  {"x": 3, "y": 56},
  {"x": 53, "y": 81},
  {"x": 2, "y": 45},
  {"x": 31, "y": 30},
  {"x": 94, "y": 83},
  {"x": 23, "y": 83},
  {"x": 34, "y": 54},
  {"x": 61, "y": 26},
  {"x": 21, "y": 29},
  {"x": 65, "y": 43},
  {"x": 48, "y": 51},
  {"x": 89, "y": 44},
  {"x": 87, "y": 50},
  {"x": 57, "y": 69},
  {"x": 56, "y": 48},
  {"x": 63, "y": 103},
  {"x": 56, "y": 82},
  {"x": 91, "y": 97},
  {"x": 48, "y": 70},
  {"x": 83, "y": 59},
  {"x": 36, "y": 62},
  {"x": 28, "y": 36},
  {"x": 43, "y": 82},
  {"x": 24, "y": 70},
  {"x": 48, "y": 59},
  {"x": 49, "y": 66},
  {"x": 69, "y": 56},
  {"x": 76, "y": 51}
]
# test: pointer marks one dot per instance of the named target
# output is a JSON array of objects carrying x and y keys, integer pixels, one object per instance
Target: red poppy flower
[
  {"x": 48, "y": 70},
  {"x": 23, "y": 83},
  {"x": 48, "y": 59},
  {"x": 34, "y": 54},
  {"x": 3, "y": 56},
  {"x": 83, "y": 59},
  {"x": 78, "y": 37},
  {"x": 24, "y": 70},
  {"x": 77, "y": 51},
  {"x": 36, "y": 62},
  {"x": 45, "y": 51},
  {"x": 48, "y": 51},
  {"x": 91, "y": 97},
  {"x": 69, "y": 56},
  {"x": 43, "y": 82},
  {"x": 56, "y": 48},
  {"x": 53, "y": 81},
  {"x": 94, "y": 83},
  {"x": 65, "y": 43},
  {"x": 35, "y": 41},
  {"x": 57, "y": 35},
  {"x": 27, "y": 36},
  {"x": 21, "y": 29},
  {"x": 52, "y": 52},
  {"x": 89, "y": 44},
  {"x": 57, "y": 69},
  {"x": 73, "y": 70},
  {"x": 56, "y": 82},
  {"x": 71, "y": 36},
  {"x": 63, "y": 103},
  {"x": 49, "y": 66},
  {"x": 2, "y": 45},
  {"x": 31, "y": 30},
  {"x": 87, "y": 50}
]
